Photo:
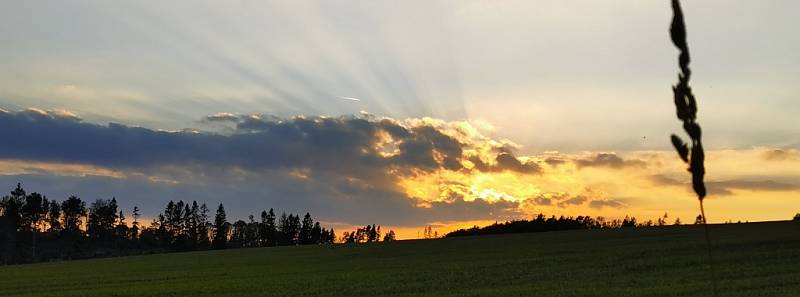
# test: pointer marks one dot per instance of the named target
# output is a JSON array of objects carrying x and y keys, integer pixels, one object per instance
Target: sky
[{"x": 403, "y": 114}]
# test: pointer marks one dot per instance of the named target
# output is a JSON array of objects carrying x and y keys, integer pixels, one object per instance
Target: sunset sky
[{"x": 400, "y": 113}]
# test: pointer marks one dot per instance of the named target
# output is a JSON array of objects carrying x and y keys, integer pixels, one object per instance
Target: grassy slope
[{"x": 760, "y": 259}]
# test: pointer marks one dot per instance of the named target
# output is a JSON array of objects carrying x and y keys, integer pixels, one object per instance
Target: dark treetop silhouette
[{"x": 33, "y": 228}]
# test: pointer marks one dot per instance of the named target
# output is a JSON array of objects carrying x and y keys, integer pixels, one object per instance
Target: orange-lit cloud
[{"x": 401, "y": 173}]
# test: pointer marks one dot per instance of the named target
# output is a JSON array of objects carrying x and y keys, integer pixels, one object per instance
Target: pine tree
[
  {"x": 251, "y": 233},
  {"x": 221, "y": 227},
  {"x": 294, "y": 229},
  {"x": 135, "y": 224},
  {"x": 122, "y": 227},
  {"x": 194, "y": 224},
  {"x": 271, "y": 229},
  {"x": 305, "y": 236},
  {"x": 285, "y": 231},
  {"x": 331, "y": 238},
  {"x": 316, "y": 233},
  {"x": 203, "y": 237}
]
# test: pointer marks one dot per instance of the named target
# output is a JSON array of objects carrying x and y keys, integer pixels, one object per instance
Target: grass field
[{"x": 757, "y": 259}]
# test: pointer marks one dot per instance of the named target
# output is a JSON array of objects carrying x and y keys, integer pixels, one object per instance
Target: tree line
[
  {"x": 33, "y": 228},
  {"x": 544, "y": 224},
  {"x": 368, "y": 233}
]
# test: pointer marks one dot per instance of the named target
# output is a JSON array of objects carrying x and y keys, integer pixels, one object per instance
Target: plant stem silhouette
[{"x": 686, "y": 108}]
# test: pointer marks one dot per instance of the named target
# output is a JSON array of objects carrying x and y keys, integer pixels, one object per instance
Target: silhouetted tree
[
  {"x": 102, "y": 219},
  {"x": 305, "y": 235},
  {"x": 368, "y": 233},
  {"x": 330, "y": 236},
  {"x": 373, "y": 233},
  {"x": 270, "y": 228},
  {"x": 203, "y": 228},
  {"x": 251, "y": 232},
  {"x": 193, "y": 222},
  {"x": 33, "y": 211},
  {"x": 33, "y": 228},
  {"x": 122, "y": 230},
  {"x": 390, "y": 236},
  {"x": 135, "y": 225},
  {"x": 221, "y": 227},
  {"x": 316, "y": 234},
  {"x": 289, "y": 229},
  {"x": 11, "y": 221},
  {"x": 629, "y": 222},
  {"x": 54, "y": 217},
  {"x": 699, "y": 220},
  {"x": 662, "y": 220},
  {"x": 73, "y": 210},
  {"x": 238, "y": 231}
]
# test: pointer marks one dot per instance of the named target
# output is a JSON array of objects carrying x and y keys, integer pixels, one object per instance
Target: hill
[{"x": 755, "y": 259}]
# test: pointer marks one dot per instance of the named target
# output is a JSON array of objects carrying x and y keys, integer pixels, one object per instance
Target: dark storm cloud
[
  {"x": 340, "y": 173},
  {"x": 320, "y": 143},
  {"x": 256, "y": 143},
  {"x": 608, "y": 160}
]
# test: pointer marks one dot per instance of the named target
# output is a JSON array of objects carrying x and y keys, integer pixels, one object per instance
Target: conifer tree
[{"x": 221, "y": 227}]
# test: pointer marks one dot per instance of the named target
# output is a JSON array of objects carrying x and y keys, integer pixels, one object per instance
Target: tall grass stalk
[{"x": 686, "y": 107}]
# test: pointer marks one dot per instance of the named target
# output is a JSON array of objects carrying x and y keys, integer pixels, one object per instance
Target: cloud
[
  {"x": 781, "y": 155},
  {"x": 357, "y": 169},
  {"x": 553, "y": 161},
  {"x": 541, "y": 200},
  {"x": 338, "y": 167},
  {"x": 257, "y": 143},
  {"x": 348, "y": 98},
  {"x": 506, "y": 161},
  {"x": 662, "y": 180},
  {"x": 727, "y": 187},
  {"x": 222, "y": 117},
  {"x": 577, "y": 200},
  {"x": 613, "y": 203},
  {"x": 609, "y": 160}
]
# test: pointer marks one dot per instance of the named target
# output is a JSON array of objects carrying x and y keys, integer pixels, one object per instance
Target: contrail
[{"x": 348, "y": 98}]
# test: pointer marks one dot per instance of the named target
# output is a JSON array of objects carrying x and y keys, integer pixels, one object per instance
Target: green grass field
[{"x": 759, "y": 259}]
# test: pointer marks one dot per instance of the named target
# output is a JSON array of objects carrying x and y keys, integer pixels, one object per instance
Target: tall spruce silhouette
[{"x": 686, "y": 108}]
